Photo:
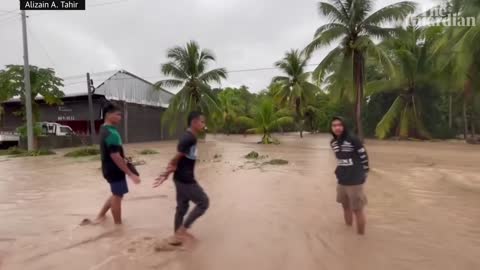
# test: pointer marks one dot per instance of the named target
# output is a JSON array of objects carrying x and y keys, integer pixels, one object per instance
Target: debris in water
[
  {"x": 252, "y": 155},
  {"x": 148, "y": 152},
  {"x": 276, "y": 162}
]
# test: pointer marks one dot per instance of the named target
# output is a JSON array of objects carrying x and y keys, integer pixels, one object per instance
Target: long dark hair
[{"x": 345, "y": 133}]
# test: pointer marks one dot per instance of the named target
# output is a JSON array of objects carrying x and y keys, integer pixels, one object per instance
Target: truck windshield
[{"x": 65, "y": 130}]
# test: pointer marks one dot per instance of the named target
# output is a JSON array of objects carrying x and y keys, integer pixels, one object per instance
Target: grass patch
[
  {"x": 148, "y": 152},
  {"x": 83, "y": 152},
  {"x": 11, "y": 151},
  {"x": 17, "y": 152}
]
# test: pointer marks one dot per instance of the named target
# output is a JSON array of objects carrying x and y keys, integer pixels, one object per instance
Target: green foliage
[
  {"x": 17, "y": 152},
  {"x": 188, "y": 69},
  {"x": 84, "y": 152},
  {"x": 354, "y": 24},
  {"x": 266, "y": 120},
  {"x": 22, "y": 130},
  {"x": 294, "y": 89},
  {"x": 43, "y": 82}
]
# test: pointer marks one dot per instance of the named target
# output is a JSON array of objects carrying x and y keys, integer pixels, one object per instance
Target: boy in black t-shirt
[
  {"x": 114, "y": 166},
  {"x": 187, "y": 188}
]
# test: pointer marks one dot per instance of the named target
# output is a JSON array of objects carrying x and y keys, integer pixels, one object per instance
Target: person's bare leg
[
  {"x": 116, "y": 207},
  {"x": 103, "y": 212},
  {"x": 348, "y": 215},
  {"x": 361, "y": 221}
]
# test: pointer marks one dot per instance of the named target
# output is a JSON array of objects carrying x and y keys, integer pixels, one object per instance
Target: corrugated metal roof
[
  {"x": 117, "y": 85},
  {"x": 125, "y": 86}
]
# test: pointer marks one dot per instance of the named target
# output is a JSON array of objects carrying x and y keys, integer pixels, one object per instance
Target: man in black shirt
[
  {"x": 114, "y": 166},
  {"x": 187, "y": 188},
  {"x": 352, "y": 169}
]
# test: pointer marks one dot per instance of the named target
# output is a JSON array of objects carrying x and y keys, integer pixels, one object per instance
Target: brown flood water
[{"x": 423, "y": 211}]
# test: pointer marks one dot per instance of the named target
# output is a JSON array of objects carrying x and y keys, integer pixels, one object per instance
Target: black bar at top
[{"x": 52, "y": 4}]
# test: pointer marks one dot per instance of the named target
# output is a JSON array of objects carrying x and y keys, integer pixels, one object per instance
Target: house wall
[
  {"x": 70, "y": 110},
  {"x": 142, "y": 123}
]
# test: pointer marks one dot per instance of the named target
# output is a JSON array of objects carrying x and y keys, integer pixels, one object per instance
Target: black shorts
[{"x": 119, "y": 187}]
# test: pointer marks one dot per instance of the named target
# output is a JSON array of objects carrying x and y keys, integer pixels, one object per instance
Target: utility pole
[
  {"x": 26, "y": 82},
  {"x": 90, "y": 109}
]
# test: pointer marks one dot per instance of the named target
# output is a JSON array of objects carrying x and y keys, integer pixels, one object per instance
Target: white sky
[{"x": 135, "y": 34}]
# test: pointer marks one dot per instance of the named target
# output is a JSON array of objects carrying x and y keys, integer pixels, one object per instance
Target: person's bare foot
[
  {"x": 182, "y": 233},
  {"x": 99, "y": 220},
  {"x": 86, "y": 222}
]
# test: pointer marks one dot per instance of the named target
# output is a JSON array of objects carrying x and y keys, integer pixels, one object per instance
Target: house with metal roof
[{"x": 141, "y": 102}]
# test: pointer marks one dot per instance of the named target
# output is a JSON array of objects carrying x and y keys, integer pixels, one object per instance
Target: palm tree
[
  {"x": 266, "y": 120},
  {"x": 229, "y": 103},
  {"x": 188, "y": 67},
  {"x": 411, "y": 52},
  {"x": 294, "y": 89},
  {"x": 460, "y": 44},
  {"x": 353, "y": 22}
]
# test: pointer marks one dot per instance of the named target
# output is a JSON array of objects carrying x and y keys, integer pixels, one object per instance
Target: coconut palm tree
[
  {"x": 229, "y": 102},
  {"x": 188, "y": 69},
  {"x": 266, "y": 120},
  {"x": 294, "y": 89},
  {"x": 354, "y": 23},
  {"x": 460, "y": 44},
  {"x": 411, "y": 52}
]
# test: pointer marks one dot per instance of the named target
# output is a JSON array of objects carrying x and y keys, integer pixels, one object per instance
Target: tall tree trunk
[
  {"x": 467, "y": 95},
  {"x": 358, "y": 80},
  {"x": 465, "y": 120},
  {"x": 473, "y": 119},
  {"x": 472, "y": 123},
  {"x": 450, "y": 109},
  {"x": 299, "y": 116}
]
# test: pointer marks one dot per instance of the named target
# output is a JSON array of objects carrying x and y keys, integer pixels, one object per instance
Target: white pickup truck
[
  {"x": 9, "y": 138},
  {"x": 49, "y": 128}
]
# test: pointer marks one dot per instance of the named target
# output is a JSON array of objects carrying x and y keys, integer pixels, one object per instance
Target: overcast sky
[{"x": 135, "y": 34}]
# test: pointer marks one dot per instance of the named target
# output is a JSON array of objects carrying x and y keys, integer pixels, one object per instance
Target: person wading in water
[
  {"x": 352, "y": 170},
  {"x": 187, "y": 188}
]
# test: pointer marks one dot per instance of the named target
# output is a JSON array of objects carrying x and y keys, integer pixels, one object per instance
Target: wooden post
[
  {"x": 90, "y": 110},
  {"x": 125, "y": 121}
]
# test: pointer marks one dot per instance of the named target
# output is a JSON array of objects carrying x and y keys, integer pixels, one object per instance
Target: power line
[
  {"x": 9, "y": 19},
  {"x": 157, "y": 76},
  {"x": 7, "y": 11},
  {"x": 41, "y": 45}
]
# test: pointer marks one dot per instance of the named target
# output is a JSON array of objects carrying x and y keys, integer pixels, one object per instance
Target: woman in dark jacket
[{"x": 352, "y": 170}]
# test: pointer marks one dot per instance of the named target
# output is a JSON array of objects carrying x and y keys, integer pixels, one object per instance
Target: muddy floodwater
[{"x": 423, "y": 212}]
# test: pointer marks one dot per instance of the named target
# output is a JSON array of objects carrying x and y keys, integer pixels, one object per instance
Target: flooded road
[{"x": 423, "y": 210}]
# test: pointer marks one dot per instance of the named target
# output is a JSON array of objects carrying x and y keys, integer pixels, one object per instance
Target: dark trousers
[{"x": 185, "y": 194}]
